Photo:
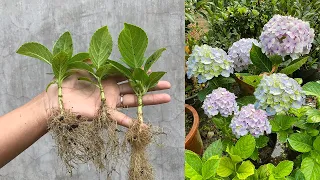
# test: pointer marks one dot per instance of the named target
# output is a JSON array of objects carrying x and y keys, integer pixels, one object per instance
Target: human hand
[{"x": 83, "y": 98}]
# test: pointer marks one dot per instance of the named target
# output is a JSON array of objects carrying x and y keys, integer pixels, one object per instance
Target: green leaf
[
  {"x": 60, "y": 65},
  {"x": 79, "y": 57},
  {"x": 81, "y": 66},
  {"x": 235, "y": 158},
  {"x": 125, "y": 71},
  {"x": 312, "y": 88},
  {"x": 106, "y": 69},
  {"x": 100, "y": 47},
  {"x": 313, "y": 116},
  {"x": 262, "y": 172},
  {"x": 315, "y": 155},
  {"x": 52, "y": 82},
  {"x": 140, "y": 75},
  {"x": 316, "y": 143},
  {"x": 226, "y": 167},
  {"x": 262, "y": 141},
  {"x": 210, "y": 167},
  {"x": 214, "y": 148},
  {"x": 153, "y": 58},
  {"x": 300, "y": 142},
  {"x": 193, "y": 164},
  {"x": 196, "y": 177},
  {"x": 86, "y": 79},
  {"x": 283, "y": 169},
  {"x": 243, "y": 101},
  {"x": 283, "y": 136},
  {"x": 132, "y": 45},
  {"x": 255, "y": 155},
  {"x": 64, "y": 44},
  {"x": 310, "y": 169},
  {"x": 282, "y": 122},
  {"x": 252, "y": 80},
  {"x": 294, "y": 65},
  {"x": 36, "y": 50},
  {"x": 259, "y": 59},
  {"x": 276, "y": 59},
  {"x": 154, "y": 78},
  {"x": 245, "y": 170},
  {"x": 299, "y": 175},
  {"x": 245, "y": 146}
]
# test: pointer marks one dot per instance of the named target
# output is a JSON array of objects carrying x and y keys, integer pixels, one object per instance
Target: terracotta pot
[{"x": 193, "y": 140}]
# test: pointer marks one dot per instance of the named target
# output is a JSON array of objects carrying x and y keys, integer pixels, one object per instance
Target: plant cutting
[
  {"x": 132, "y": 43},
  {"x": 78, "y": 139}
]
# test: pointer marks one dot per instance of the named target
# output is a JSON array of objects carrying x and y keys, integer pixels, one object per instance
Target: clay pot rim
[{"x": 195, "y": 124}]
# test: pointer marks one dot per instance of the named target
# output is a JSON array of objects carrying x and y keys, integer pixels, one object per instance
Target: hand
[{"x": 83, "y": 98}]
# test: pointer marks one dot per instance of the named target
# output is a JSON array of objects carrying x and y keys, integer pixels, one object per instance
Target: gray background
[{"x": 22, "y": 78}]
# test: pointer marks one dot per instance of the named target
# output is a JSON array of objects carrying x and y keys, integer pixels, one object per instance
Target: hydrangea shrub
[
  {"x": 206, "y": 62},
  {"x": 239, "y": 53},
  {"x": 250, "y": 120},
  {"x": 286, "y": 35},
  {"x": 278, "y": 93},
  {"x": 220, "y": 101}
]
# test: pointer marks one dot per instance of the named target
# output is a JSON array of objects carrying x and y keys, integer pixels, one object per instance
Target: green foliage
[
  {"x": 252, "y": 80},
  {"x": 259, "y": 59},
  {"x": 36, "y": 50},
  {"x": 294, "y": 65},
  {"x": 300, "y": 142},
  {"x": 132, "y": 43},
  {"x": 243, "y": 101}
]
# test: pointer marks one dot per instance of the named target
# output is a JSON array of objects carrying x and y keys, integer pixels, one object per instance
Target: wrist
[{"x": 42, "y": 104}]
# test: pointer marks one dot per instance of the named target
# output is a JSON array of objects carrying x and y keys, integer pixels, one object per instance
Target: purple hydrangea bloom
[
  {"x": 286, "y": 35},
  {"x": 239, "y": 52},
  {"x": 250, "y": 120},
  {"x": 206, "y": 62},
  {"x": 278, "y": 93},
  {"x": 220, "y": 101}
]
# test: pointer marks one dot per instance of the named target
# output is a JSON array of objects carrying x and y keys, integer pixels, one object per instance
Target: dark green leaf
[
  {"x": 262, "y": 141},
  {"x": 243, "y": 101},
  {"x": 283, "y": 136},
  {"x": 259, "y": 59},
  {"x": 153, "y": 58},
  {"x": 100, "y": 47},
  {"x": 125, "y": 71},
  {"x": 60, "y": 65},
  {"x": 140, "y": 75},
  {"x": 36, "y": 50},
  {"x": 282, "y": 122},
  {"x": 64, "y": 44},
  {"x": 215, "y": 148},
  {"x": 295, "y": 65},
  {"x": 154, "y": 78},
  {"x": 276, "y": 59},
  {"x": 79, "y": 57},
  {"x": 253, "y": 80},
  {"x": 106, "y": 69},
  {"x": 300, "y": 142},
  {"x": 132, "y": 45}
]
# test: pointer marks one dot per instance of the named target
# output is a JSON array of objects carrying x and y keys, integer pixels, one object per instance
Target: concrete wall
[{"x": 22, "y": 78}]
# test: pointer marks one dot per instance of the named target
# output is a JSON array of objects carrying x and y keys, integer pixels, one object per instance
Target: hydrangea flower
[
  {"x": 206, "y": 62},
  {"x": 250, "y": 120},
  {"x": 278, "y": 93},
  {"x": 286, "y": 35},
  {"x": 220, "y": 101},
  {"x": 239, "y": 52}
]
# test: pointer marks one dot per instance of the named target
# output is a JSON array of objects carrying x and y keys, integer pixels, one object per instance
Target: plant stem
[
  {"x": 60, "y": 99},
  {"x": 103, "y": 98},
  {"x": 140, "y": 105}
]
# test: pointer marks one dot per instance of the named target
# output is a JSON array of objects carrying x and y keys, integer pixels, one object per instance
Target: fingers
[
  {"x": 130, "y": 100},
  {"x": 125, "y": 88},
  {"x": 121, "y": 118}
]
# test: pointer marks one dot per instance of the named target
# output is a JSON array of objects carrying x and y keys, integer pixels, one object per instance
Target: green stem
[
  {"x": 60, "y": 99},
  {"x": 103, "y": 97},
  {"x": 140, "y": 105}
]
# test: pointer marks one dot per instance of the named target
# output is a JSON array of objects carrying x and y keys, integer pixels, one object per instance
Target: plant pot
[{"x": 193, "y": 141}]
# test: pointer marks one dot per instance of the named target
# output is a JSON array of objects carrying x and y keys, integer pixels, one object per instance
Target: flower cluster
[
  {"x": 239, "y": 52},
  {"x": 220, "y": 101},
  {"x": 206, "y": 62},
  {"x": 278, "y": 93},
  {"x": 250, "y": 120},
  {"x": 286, "y": 35}
]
